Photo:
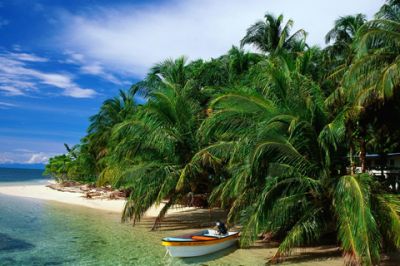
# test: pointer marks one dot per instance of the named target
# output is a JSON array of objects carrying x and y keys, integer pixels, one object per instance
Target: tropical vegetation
[{"x": 273, "y": 135}]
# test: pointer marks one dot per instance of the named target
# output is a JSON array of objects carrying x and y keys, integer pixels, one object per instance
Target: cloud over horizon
[
  {"x": 26, "y": 157},
  {"x": 38, "y": 158},
  {"x": 27, "y": 151},
  {"x": 18, "y": 78},
  {"x": 130, "y": 39}
]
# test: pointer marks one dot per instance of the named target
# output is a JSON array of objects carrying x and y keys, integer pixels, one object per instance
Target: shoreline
[
  {"x": 183, "y": 220},
  {"x": 43, "y": 192}
]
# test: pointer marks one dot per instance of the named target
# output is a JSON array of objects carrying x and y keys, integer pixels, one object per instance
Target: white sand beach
[{"x": 43, "y": 192}]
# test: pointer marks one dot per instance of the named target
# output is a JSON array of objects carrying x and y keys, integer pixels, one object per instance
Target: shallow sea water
[{"x": 36, "y": 232}]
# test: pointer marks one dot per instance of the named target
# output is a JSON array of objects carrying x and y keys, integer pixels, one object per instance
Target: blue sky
[{"x": 60, "y": 59}]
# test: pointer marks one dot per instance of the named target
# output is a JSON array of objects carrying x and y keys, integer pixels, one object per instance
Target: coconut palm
[
  {"x": 272, "y": 36},
  {"x": 239, "y": 63},
  {"x": 112, "y": 112},
  {"x": 169, "y": 71},
  {"x": 58, "y": 167},
  {"x": 340, "y": 53},
  {"x": 278, "y": 154},
  {"x": 154, "y": 147},
  {"x": 375, "y": 73},
  {"x": 373, "y": 76},
  {"x": 390, "y": 11},
  {"x": 345, "y": 29}
]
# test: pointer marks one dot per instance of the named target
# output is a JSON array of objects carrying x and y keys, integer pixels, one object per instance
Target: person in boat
[{"x": 221, "y": 228}]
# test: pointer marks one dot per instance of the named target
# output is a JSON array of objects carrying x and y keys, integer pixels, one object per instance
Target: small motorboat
[{"x": 199, "y": 243}]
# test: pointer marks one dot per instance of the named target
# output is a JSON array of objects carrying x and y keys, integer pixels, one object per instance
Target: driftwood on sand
[{"x": 89, "y": 191}]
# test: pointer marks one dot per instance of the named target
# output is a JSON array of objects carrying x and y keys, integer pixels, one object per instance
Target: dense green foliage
[{"x": 264, "y": 135}]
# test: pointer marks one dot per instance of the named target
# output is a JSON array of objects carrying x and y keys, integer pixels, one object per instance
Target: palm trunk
[
  {"x": 162, "y": 213},
  {"x": 352, "y": 164},
  {"x": 363, "y": 155}
]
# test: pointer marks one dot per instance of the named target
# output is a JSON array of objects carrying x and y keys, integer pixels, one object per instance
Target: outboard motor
[{"x": 221, "y": 228}]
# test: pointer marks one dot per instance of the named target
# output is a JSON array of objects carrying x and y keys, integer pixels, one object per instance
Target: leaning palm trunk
[{"x": 162, "y": 213}]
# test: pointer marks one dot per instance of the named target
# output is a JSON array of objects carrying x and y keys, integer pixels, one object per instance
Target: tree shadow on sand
[
  {"x": 328, "y": 253},
  {"x": 311, "y": 254},
  {"x": 190, "y": 219}
]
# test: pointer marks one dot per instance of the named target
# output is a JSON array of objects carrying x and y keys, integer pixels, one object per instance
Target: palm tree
[
  {"x": 277, "y": 145},
  {"x": 58, "y": 167},
  {"x": 256, "y": 134},
  {"x": 390, "y": 11},
  {"x": 74, "y": 165},
  {"x": 345, "y": 29},
  {"x": 153, "y": 148},
  {"x": 271, "y": 36},
  {"x": 112, "y": 112},
  {"x": 341, "y": 52},
  {"x": 374, "y": 75},
  {"x": 169, "y": 71},
  {"x": 240, "y": 62}
]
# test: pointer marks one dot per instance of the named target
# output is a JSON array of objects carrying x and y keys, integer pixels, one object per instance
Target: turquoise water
[
  {"x": 10, "y": 176},
  {"x": 35, "y": 232}
]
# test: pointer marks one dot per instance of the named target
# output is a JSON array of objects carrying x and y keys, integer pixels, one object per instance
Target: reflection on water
[{"x": 211, "y": 257}]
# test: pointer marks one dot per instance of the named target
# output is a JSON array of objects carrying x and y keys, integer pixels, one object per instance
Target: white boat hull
[{"x": 194, "y": 251}]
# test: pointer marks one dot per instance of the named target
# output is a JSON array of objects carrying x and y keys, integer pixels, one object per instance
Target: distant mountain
[{"x": 23, "y": 165}]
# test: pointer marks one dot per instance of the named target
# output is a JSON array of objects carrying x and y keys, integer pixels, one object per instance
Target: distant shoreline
[{"x": 42, "y": 192}]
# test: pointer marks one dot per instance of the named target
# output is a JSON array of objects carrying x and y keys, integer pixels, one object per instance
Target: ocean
[
  {"x": 36, "y": 232},
  {"x": 11, "y": 176}
]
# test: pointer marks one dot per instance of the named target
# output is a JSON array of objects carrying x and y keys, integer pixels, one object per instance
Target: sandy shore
[
  {"x": 184, "y": 220},
  {"x": 43, "y": 192}
]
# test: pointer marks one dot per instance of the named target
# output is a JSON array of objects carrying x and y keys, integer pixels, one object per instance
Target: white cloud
[
  {"x": 5, "y": 105},
  {"x": 90, "y": 67},
  {"x": 19, "y": 149},
  {"x": 131, "y": 38},
  {"x": 11, "y": 90},
  {"x": 4, "y": 158},
  {"x": 94, "y": 69},
  {"x": 18, "y": 78},
  {"x": 97, "y": 69},
  {"x": 73, "y": 58},
  {"x": 28, "y": 57},
  {"x": 38, "y": 158},
  {"x": 25, "y": 156}
]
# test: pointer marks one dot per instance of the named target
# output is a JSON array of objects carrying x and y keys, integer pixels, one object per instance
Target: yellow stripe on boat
[{"x": 197, "y": 243}]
